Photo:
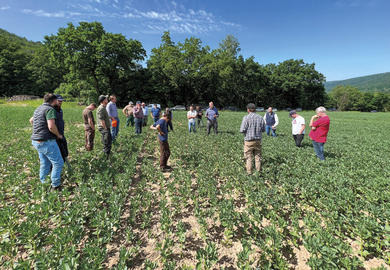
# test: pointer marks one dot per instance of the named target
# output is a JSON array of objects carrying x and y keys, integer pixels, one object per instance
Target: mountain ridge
[{"x": 379, "y": 82}]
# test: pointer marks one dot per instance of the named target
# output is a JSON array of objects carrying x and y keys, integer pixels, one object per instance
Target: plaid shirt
[{"x": 252, "y": 126}]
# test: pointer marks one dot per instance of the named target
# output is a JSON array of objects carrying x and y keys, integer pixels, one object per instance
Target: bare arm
[
  {"x": 125, "y": 111},
  {"x": 103, "y": 123},
  {"x": 302, "y": 128},
  {"x": 312, "y": 120},
  {"x": 91, "y": 124},
  {"x": 31, "y": 120},
  {"x": 53, "y": 128}
]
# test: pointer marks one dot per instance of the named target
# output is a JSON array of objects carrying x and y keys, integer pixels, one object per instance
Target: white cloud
[
  {"x": 173, "y": 17},
  {"x": 4, "y": 8},
  {"x": 41, "y": 13}
]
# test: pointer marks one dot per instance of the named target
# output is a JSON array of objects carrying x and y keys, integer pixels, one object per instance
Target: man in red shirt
[{"x": 319, "y": 124}]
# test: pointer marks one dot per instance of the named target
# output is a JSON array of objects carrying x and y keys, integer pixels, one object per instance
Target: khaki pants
[{"x": 252, "y": 148}]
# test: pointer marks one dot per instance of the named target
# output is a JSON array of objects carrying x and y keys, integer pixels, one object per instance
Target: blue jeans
[
  {"x": 114, "y": 130},
  {"x": 191, "y": 126},
  {"x": 269, "y": 129},
  {"x": 138, "y": 125},
  {"x": 49, "y": 155},
  {"x": 319, "y": 149}
]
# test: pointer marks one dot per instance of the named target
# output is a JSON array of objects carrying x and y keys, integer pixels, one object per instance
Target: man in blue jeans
[
  {"x": 271, "y": 121},
  {"x": 43, "y": 139},
  {"x": 112, "y": 111},
  {"x": 155, "y": 113}
]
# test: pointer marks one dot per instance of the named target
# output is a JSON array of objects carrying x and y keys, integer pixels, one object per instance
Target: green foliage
[
  {"x": 349, "y": 98},
  {"x": 208, "y": 213},
  {"x": 372, "y": 83}
]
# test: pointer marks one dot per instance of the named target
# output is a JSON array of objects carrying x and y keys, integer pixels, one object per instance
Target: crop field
[{"x": 207, "y": 213}]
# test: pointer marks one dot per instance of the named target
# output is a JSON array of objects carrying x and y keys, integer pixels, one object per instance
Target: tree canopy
[{"x": 83, "y": 61}]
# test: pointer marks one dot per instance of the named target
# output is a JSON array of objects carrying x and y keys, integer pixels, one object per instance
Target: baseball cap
[
  {"x": 101, "y": 98},
  {"x": 138, "y": 102},
  {"x": 292, "y": 112},
  {"x": 59, "y": 97},
  {"x": 131, "y": 103}
]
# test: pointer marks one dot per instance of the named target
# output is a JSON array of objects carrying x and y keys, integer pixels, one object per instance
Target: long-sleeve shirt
[
  {"x": 112, "y": 110},
  {"x": 252, "y": 126}
]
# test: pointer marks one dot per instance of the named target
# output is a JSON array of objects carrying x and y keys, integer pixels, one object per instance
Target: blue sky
[{"x": 345, "y": 38}]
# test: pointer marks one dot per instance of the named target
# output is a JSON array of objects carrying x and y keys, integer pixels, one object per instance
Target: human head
[
  {"x": 113, "y": 98},
  {"x": 251, "y": 107},
  {"x": 321, "y": 111},
  {"x": 197, "y": 107},
  {"x": 59, "y": 99},
  {"x": 51, "y": 99},
  {"x": 143, "y": 104},
  {"x": 155, "y": 105},
  {"x": 92, "y": 106},
  {"x": 211, "y": 104},
  {"x": 165, "y": 115},
  {"x": 103, "y": 100},
  {"x": 191, "y": 107},
  {"x": 293, "y": 113},
  {"x": 269, "y": 110},
  {"x": 138, "y": 103},
  {"x": 131, "y": 103}
]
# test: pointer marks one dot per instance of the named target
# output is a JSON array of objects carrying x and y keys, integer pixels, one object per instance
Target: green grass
[{"x": 207, "y": 212}]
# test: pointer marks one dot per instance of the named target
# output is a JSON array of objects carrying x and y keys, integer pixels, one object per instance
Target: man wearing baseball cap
[
  {"x": 62, "y": 143},
  {"x": 104, "y": 124},
  {"x": 43, "y": 139},
  {"x": 298, "y": 128}
]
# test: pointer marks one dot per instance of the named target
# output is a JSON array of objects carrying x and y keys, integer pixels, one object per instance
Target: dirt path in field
[{"x": 113, "y": 248}]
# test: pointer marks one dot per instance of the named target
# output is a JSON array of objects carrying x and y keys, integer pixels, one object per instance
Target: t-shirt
[
  {"x": 138, "y": 112},
  {"x": 87, "y": 114},
  {"x": 145, "y": 111},
  {"x": 200, "y": 113},
  {"x": 321, "y": 132},
  {"x": 51, "y": 114},
  {"x": 211, "y": 112},
  {"x": 156, "y": 112},
  {"x": 297, "y": 123},
  {"x": 102, "y": 115},
  {"x": 191, "y": 114},
  {"x": 164, "y": 128}
]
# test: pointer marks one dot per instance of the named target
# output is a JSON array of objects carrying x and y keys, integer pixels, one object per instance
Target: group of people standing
[
  {"x": 48, "y": 136},
  {"x": 253, "y": 125}
]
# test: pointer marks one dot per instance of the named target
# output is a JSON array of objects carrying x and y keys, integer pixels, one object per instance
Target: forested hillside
[
  {"x": 83, "y": 61},
  {"x": 372, "y": 83}
]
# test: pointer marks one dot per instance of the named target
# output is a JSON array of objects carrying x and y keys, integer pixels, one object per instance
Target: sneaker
[{"x": 57, "y": 188}]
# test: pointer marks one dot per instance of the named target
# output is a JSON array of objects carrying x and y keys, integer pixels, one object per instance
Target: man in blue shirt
[
  {"x": 112, "y": 111},
  {"x": 212, "y": 115},
  {"x": 162, "y": 127},
  {"x": 155, "y": 113}
]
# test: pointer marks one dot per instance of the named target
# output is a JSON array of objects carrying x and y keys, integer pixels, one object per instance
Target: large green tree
[{"x": 88, "y": 53}]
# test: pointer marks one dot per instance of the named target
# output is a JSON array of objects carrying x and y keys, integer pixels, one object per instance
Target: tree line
[{"x": 82, "y": 62}]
